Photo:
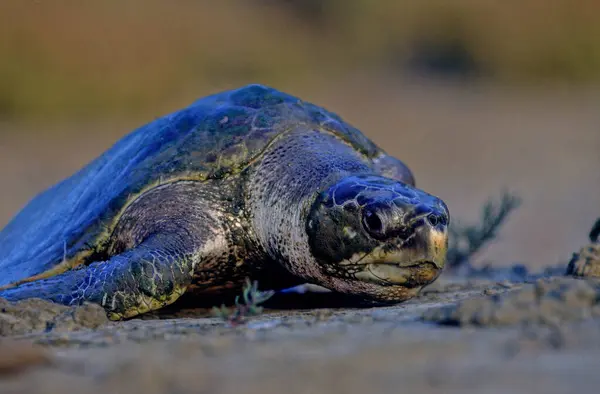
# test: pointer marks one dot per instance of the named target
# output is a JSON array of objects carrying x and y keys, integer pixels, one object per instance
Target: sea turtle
[{"x": 250, "y": 182}]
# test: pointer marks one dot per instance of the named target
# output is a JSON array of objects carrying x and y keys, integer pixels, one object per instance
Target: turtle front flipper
[
  {"x": 148, "y": 277},
  {"x": 158, "y": 242}
]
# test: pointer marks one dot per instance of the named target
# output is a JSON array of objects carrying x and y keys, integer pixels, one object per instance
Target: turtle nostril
[{"x": 372, "y": 222}]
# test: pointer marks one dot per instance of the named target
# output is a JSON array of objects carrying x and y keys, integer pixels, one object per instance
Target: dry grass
[
  {"x": 67, "y": 58},
  {"x": 251, "y": 298},
  {"x": 466, "y": 241}
]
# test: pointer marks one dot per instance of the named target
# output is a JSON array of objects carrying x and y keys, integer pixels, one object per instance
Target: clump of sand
[
  {"x": 586, "y": 263},
  {"x": 36, "y": 315},
  {"x": 548, "y": 301}
]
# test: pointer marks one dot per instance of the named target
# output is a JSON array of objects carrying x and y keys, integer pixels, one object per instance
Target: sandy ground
[{"x": 460, "y": 335}]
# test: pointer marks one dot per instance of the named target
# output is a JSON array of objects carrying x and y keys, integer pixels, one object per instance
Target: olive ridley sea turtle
[{"x": 250, "y": 182}]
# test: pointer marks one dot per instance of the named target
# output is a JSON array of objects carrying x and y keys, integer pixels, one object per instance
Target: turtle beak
[{"x": 438, "y": 247}]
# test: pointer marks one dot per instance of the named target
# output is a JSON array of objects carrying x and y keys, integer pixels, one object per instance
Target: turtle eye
[{"x": 372, "y": 223}]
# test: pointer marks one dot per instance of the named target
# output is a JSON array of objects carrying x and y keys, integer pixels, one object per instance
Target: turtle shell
[{"x": 213, "y": 138}]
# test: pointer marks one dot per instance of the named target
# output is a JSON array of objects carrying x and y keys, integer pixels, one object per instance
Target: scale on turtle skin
[{"x": 250, "y": 182}]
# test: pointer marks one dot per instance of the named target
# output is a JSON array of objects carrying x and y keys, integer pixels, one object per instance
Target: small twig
[
  {"x": 251, "y": 298},
  {"x": 467, "y": 241},
  {"x": 595, "y": 232}
]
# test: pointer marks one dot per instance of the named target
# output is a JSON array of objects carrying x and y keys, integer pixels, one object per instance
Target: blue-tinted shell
[{"x": 214, "y": 137}]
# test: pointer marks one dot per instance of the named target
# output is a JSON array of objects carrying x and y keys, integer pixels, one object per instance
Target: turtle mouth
[
  {"x": 414, "y": 274},
  {"x": 405, "y": 267},
  {"x": 386, "y": 274}
]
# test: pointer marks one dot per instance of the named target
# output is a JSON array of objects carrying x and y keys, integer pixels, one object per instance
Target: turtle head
[{"x": 378, "y": 238}]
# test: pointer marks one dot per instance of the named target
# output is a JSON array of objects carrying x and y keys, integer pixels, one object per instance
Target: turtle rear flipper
[{"x": 146, "y": 278}]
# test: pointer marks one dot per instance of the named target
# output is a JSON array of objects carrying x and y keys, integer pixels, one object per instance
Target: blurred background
[{"x": 476, "y": 96}]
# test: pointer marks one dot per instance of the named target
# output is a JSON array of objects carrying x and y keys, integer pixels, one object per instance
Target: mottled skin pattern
[{"x": 249, "y": 182}]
